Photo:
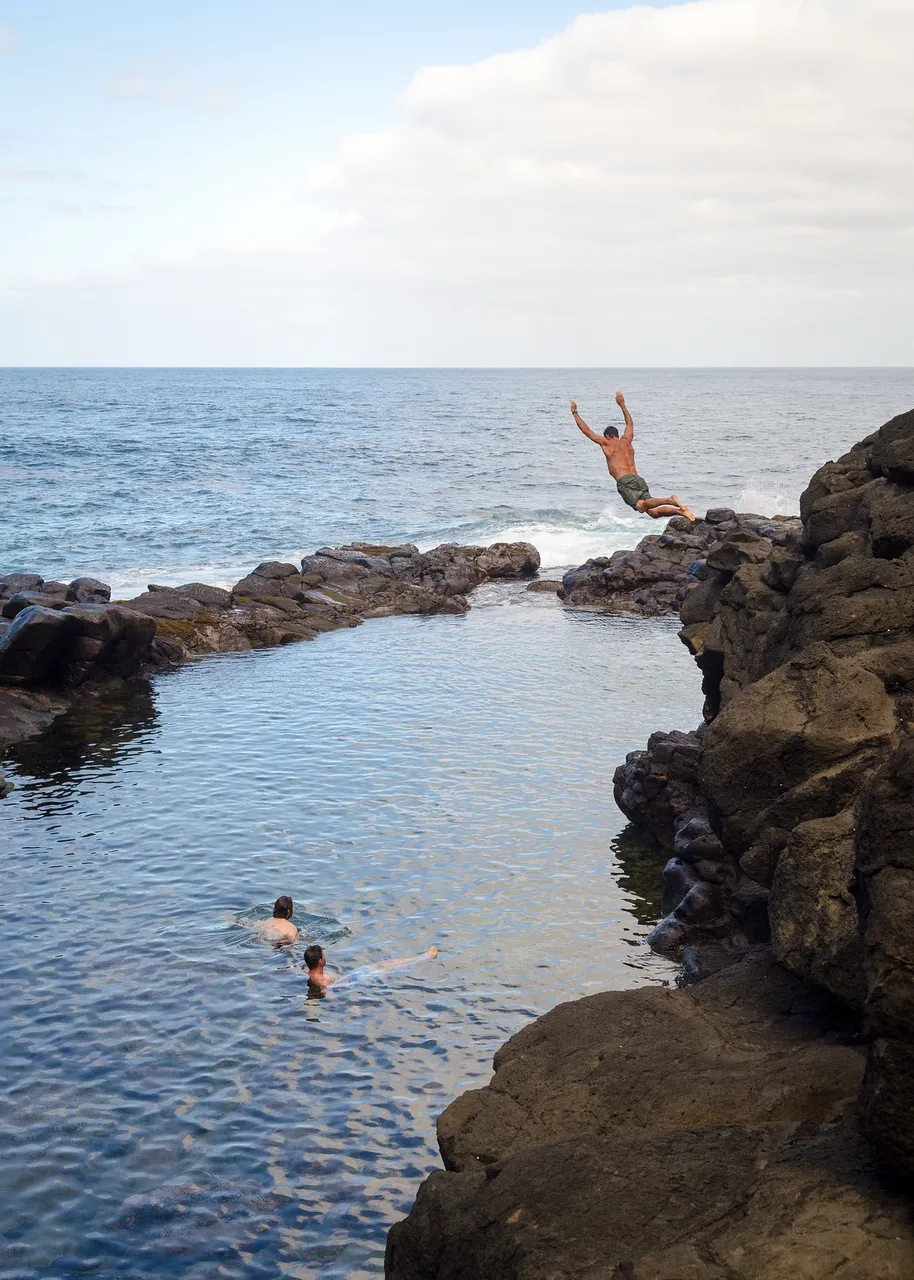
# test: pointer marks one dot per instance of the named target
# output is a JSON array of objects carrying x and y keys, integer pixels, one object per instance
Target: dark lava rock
[
  {"x": 88, "y": 591},
  {"x": 207, "y": 596},
  {"x": 805, "y": 765},
  {"x": 701, "y": 1133},
  {"x": 22, "y": 599},
  {"x": 163, "y": 603},
  {"x": 548, "y": 586},
  {"x": 885, "y": 871},
  {"x": 655, "y": 578},
  {"x": 11, "y": 583},
  {"x": 33, "y": 646}
]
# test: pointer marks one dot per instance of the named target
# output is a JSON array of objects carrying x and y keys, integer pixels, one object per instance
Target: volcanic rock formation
[
  {"x": 718, "y": 1132},
  {"x": 654, "y": 578},
  {"x": 62, "y": 640}
]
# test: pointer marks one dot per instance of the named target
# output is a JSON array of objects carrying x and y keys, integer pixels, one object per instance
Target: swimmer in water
[
  {"x": 315, "y": 960},
  {"x": 280, "y": 928}
]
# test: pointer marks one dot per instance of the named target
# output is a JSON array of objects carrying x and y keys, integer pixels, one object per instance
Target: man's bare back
[
  {"x": 619, "y": 452},
  {"x": 280, "y": 927}
]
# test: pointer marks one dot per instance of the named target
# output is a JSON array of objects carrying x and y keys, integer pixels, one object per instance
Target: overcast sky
[{"x": 465, "y": 182}]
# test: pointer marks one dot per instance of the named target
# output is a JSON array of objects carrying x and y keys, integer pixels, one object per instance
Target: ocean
[
  {"x": 140, "y": 475},
  {"x": 173, "y": 1101}
]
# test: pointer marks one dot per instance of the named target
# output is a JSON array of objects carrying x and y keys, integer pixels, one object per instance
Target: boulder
[
  {"x": 813, "y": 912},
  {"x": 165, "y": 603},
  {"x": 22, "y": 599},
  {"x": 704, "y": 1132},
  {"x": 33, "y": 647},
  {"x": 207, "y": 596},
  {"x": 658, "y": 789},
  {"x": 740, "y": 1202},
  {"x": 11, "y": 583},
  {"x": 88, "y": 591}
]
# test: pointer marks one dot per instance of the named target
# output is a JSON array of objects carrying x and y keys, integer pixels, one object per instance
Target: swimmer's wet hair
[
  {"x": 283, "y": 908},
  {"x": 313, "y": 955},
  {"x": 612, "y": 433}
]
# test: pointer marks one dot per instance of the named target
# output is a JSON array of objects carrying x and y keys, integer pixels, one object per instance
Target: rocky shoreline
[
  {"x": 62, "y": 642},
  {"x": 759, "y": 1124},
  {"x": 758, "y": 1121}
]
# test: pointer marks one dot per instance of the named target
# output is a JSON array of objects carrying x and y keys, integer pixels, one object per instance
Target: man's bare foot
[{"x": 688, "y": 514}]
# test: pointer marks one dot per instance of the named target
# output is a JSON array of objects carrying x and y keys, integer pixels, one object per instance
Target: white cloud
[
  {"x": 711, "y": 155},
  {"x": 719, "y": 182}
]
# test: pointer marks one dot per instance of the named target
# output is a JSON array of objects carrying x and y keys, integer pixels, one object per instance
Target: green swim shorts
[{"x": 632, "y": 489}]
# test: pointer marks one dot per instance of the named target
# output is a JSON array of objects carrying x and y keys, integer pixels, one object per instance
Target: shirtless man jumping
[{"x": 620, "y": 458}]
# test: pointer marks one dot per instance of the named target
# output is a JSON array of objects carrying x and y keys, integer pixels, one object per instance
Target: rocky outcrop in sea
[
  {"x": 758, "y": 1124},
  {"x": 61, "y": 641},
  {"x": 654, "y": 579}
]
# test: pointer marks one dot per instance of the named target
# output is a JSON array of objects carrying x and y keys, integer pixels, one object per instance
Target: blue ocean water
[
  {"x": 140, "y": 475},
  {"x": 172, "y": 1102}
]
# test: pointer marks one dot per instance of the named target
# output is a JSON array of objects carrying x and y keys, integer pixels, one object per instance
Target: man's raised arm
[
  {"x": 629, "y": 431},
  {"x": 582, "y": 425}
]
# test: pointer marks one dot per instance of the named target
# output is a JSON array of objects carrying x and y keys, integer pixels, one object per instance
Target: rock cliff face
[
  {"x": 719, "y": 1132},
  {"x": 62, "y": 640},
  {"x": 802, "y": 770}
]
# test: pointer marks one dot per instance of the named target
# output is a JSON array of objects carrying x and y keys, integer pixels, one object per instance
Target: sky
[{"x": 514, "y": 183}]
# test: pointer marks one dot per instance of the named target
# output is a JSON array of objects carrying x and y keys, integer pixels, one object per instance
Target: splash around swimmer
[{"x": 619, "y": 452}]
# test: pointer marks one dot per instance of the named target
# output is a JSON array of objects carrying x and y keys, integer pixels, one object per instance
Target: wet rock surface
[
  {"x": 654, "y": 579},
  {"x": 62, "y": 640}
]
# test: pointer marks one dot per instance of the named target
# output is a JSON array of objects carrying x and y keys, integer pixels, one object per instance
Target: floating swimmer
[
  {"x": 315, "y": 959},
  {"x": 620, "y": 458},
  {"x": 280, "y": 928}
]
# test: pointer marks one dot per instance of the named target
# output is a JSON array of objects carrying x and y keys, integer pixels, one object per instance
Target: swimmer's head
[
  {"x": 283, "y": 908},
  {"x": 611, "y": 433},
  {"x": 313, "y": 955}
]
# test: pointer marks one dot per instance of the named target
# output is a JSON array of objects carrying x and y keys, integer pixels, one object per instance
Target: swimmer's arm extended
[
  {"x": 386, "y": 965},
  {"x": 582, "y": 425},
  {"x": 629, "y": 431}
]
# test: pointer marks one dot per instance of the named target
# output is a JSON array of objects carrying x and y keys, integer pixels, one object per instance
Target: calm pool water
[{"x": 171, "y": 1101}]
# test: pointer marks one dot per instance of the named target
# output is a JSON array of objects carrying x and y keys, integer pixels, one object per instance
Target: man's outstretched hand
[
  {"x": 620, "y": 398},
  {"x": 574, "y": 405}
]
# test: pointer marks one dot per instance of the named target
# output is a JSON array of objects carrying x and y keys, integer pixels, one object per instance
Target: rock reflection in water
[
  {"x": 97, "y": 733},
  {"x": 638, "y": 863}
]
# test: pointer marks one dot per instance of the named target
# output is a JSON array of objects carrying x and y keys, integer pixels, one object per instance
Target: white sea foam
[
  {"x": 765, "y": 502},
  {"x": 561, "y": 542}
]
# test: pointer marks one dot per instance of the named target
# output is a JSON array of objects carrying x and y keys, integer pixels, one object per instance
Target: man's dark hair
[
  {"x": 313, "y": 955},
  {"x": 283, "y": 908},
  {"x": 612, "y": 433}
]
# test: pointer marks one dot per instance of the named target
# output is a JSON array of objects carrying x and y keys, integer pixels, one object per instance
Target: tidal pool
[{"x": 172, "y": 1103}]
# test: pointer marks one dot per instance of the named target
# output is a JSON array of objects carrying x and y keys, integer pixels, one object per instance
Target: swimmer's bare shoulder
[
  {"x": 322, "y": 979},
  {"x": 278, "y": 930}
]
